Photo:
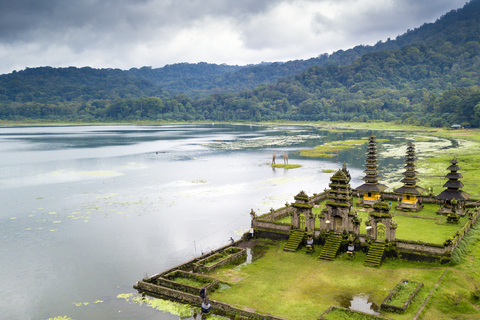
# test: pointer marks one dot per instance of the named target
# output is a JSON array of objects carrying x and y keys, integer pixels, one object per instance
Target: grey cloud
[
  {"x": 126, "y": 33},
  {"x": 23, "y": 20},
  {"x": 372, "y": 21}
]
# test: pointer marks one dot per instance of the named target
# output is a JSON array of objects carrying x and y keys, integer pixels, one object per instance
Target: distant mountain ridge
[
  {"x": 194, "y": 79},
  {"x": 414, "y": 79}
]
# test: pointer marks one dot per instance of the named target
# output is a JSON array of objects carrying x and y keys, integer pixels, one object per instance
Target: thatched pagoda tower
[
  {"x": 371, "y": 189},
  {"x": 410, "y": 190},
  {"x": 338, "y": 215},
  {"x": 453, "y": 198}
]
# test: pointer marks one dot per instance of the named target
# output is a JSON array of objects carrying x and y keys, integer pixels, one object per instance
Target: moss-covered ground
[
  {"x": 300, "y": 286},
  {"x": 402, "y": 293}
]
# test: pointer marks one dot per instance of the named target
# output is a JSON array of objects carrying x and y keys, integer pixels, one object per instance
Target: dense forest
[{"x": 428, "y": 76}]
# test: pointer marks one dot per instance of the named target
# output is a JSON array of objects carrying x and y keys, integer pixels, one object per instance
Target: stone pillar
[
  {"x": 310, "y": 222},
  {"x": 295, "y": 219}
]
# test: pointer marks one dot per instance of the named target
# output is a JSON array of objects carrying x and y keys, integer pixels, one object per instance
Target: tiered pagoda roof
[
  {"x": 453, "y": 184},
  {"x": 410, "y": 180},
  {"x": 371, "y": 178},
  {"x": 340, "y": 193}
]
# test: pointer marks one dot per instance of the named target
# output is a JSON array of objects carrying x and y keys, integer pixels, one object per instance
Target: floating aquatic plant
[
  {"x": 277, "y": 141},
  {"x": 175, "y": 308},
  {"x": 286, "y": 166},
  {"x": 337, "y": 130},
  {"x": 330, "y": 149}
]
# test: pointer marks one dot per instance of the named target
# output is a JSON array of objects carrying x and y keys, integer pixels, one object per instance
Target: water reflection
[{"x": 359, "y": 302}]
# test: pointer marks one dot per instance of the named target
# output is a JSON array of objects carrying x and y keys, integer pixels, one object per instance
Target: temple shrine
[
  {"x": 453, "y": 198},
  {"x": 371, "y": 190},
  {"x": 410, "y": 191}
]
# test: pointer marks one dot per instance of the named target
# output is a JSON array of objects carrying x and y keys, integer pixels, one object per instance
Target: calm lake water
[{"x": 89, "y": 210}]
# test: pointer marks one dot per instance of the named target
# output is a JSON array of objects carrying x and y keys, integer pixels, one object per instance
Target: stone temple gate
[
  {"x": 302, "y": 216},
  {"x": 380, "y": 226}
]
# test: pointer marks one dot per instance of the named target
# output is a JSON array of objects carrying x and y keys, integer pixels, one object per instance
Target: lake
[{"x": 89, "y": 210}]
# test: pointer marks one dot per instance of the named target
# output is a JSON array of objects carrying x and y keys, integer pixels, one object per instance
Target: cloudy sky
[{"x": 135, "y": 33}]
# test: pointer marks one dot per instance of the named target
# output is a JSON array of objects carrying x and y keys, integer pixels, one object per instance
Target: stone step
[
  {"x": 294, "y": 241},
  {"x": 375, "y": 254},
  {"x": 331, "y": 247}
]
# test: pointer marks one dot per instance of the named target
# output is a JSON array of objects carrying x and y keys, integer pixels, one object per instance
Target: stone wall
[
  {"x": 271, "y": 226},
  {"x": 195, "y": 300},
  {"x": 421, "y": 247},
  {"x": 233, "y": 254},
  {"x": 465, "y": 229},
  {"x": 316, "y": 198},
  {"x": 276, "y": 214},
  {"x": 189, "y": 264},
  {"x": 387, "y": 307},
  {"x": 210, "y": 284}
]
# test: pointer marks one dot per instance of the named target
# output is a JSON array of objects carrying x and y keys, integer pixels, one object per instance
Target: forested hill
[{"x": 427, "y": 76}]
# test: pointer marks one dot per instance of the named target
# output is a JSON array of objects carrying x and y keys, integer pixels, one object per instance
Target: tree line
[{"x": 428, "y": 76}]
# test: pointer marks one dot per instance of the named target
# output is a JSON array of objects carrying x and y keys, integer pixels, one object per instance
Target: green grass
[
  {"x": 307, "y": 286},
  {"x": 426, "y": 230},
  {"x": 189, "y": 282},
  {"x": 402, "y": 293},
  {"x": 450, "y": 300},
  {"x": 286, "y": 166},
  {"x": 341, "y": 313},
  {"x": 330, "y": 149},
  {"x": 336, "y": 130}
]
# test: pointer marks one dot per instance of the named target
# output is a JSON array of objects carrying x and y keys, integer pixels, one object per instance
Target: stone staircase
[
  {"x": 375, "y": 254},
  {"x": 294, "y": 241},
  {"x": 331, "y": 247}
]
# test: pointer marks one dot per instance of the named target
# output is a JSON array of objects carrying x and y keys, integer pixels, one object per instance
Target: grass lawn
[
  {"x": 426, "y": 230},
  {"x": 300, "y": 286},
  {"x": 189, "y": 282},
  {"x": 402, "y": 293}
]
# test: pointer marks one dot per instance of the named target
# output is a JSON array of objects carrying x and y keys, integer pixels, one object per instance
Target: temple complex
[
  {"x": 453, "y": 198},
  {"x": 371, "y": 190},
  {"x": 410, "y": 191},
  {"x": 337, "y": 227},
  {"x": 329, "y": 222}
]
